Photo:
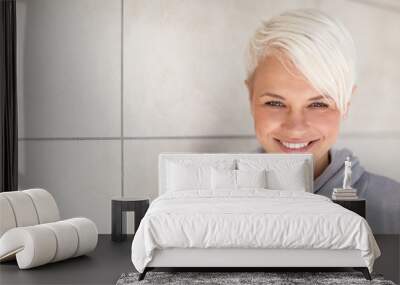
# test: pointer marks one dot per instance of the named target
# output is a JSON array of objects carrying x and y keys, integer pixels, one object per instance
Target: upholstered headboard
[{"x": 245, "y": 159}]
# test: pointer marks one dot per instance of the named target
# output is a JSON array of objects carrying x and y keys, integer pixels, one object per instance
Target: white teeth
[{"x": 295, "y": 145}]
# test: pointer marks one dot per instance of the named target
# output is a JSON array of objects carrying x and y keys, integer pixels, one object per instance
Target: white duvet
[{"x": 250, "y": 218}]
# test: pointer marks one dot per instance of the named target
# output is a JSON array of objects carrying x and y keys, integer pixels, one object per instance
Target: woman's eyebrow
[
  {"x": 319, "y": 97},
  {"x": 316, "y": 98},
  {"x": 272, "y": 95}
]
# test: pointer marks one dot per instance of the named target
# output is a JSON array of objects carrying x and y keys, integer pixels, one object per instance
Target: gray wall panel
[
  {"x": 69, "y": 68},
  {"x": 83, "y": 176}
]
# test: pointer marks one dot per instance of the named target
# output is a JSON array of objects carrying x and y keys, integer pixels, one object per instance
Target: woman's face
[{"x": 289, "y": 114}]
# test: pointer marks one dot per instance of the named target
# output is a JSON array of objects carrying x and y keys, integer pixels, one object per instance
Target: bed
[{"x": 247, "y": 211}]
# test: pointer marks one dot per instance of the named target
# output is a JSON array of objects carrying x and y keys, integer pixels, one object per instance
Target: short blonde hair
[{"x": 320, "y": 47}]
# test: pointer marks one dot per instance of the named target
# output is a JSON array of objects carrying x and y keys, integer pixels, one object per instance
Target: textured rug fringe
[{"x": 244, "y": 278}]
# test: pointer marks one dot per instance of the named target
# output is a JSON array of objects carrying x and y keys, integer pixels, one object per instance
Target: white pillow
[
  {"x": 184, "y": 177},
  {"x": 189, "y": 174},
  {"x": 251, "y": 178},
  {"x": 293, "y": 179},
  {"x": 237, "y": 179},
  {"x": 282, "y": 174},
  {"x": 223, "y": 179}
]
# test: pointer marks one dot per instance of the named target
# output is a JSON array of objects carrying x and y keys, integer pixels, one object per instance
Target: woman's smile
[{"x": 300, "y": 146}]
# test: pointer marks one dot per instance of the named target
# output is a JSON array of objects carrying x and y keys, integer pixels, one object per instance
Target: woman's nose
[{"x": 295, "y": 120}]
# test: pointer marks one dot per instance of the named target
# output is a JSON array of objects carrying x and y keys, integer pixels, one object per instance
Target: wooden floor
[{"x": 111, "y": 259}]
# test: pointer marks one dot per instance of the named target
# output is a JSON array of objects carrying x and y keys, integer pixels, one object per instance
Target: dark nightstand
[
  {"x": 119, "y": 207},
  {"x": 358, "y": 206}
]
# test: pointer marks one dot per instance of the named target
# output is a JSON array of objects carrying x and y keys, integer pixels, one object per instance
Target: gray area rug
[{"x": 274, "y": 278}]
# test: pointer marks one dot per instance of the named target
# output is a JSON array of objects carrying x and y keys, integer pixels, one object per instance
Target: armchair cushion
[
  {"x": 40, "y": 244},
  {"x": 27, "y": 208}
]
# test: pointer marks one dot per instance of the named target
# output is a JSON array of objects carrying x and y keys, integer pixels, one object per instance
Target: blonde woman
[{"x": 301, "y": 76}]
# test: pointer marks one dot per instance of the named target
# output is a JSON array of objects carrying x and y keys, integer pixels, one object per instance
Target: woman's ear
[
  {"x": 353, "y": 92},
  {"x": 247, "y": 83},
  {"x": 249, "y": 89}
]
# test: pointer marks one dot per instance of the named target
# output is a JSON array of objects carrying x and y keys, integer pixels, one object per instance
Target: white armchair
[{"x": 31, "y": 230}]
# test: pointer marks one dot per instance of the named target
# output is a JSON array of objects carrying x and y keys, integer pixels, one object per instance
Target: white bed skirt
[{"x": 236, "y": 257}]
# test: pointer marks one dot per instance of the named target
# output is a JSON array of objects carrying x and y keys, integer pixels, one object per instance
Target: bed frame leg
[
  {"x": 364, "y": 271},
  {"x": 143, "y": 274}
]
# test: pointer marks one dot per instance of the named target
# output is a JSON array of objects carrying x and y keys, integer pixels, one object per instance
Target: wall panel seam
[
  {"x": 380, "y": 135},
  {"x": 122, "y": 98}
]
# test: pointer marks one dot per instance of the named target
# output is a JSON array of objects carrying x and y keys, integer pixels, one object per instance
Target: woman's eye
[
  {"x": 274, "y": 104},
  {"x": 319, "y": 105}
]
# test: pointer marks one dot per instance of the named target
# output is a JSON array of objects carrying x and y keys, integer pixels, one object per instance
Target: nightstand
[
  {"x": 358, "y": 206},
  {"x": 119, "y": 207}
]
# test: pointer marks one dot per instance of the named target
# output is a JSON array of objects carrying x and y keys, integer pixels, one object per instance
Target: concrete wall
[{"x": 104, "y": 86}]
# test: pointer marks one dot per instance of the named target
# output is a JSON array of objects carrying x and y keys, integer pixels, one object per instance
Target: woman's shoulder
[
  {"x": 383, "y": 197},
  {"x": 381, "y": 182},
  {"x": 372, "y": 184}
]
